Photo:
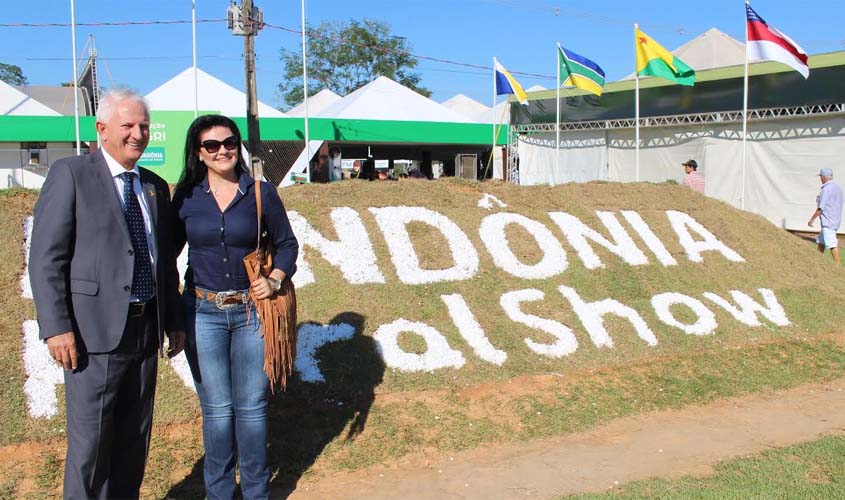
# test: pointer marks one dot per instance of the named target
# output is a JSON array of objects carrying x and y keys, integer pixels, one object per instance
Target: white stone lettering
[
  {"x": 26, "y": 287},
  {"x": 352, "y": 253},
  {"x": 438, "y": 354},
  {"x": 310, "y": 338},
  {"x": 492, "y": 232},
  {"x": 393, "y": 222},
  {"x": 592, "y": 315},
  {"x": 704, "y": 325},
  {"x": 577, "y": 233},
  {"x": 748, "y": 308},
  {"x": 649, "y": 238},
  {"x": 471, "y": 330},
  {"x": 682, "y": 223},
  {"x": 565, "y": 344},
  {"x": 42, "y": 374}
]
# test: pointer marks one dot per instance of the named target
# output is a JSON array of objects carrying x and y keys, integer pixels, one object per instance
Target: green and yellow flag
[{"x": 654, "y": 60}]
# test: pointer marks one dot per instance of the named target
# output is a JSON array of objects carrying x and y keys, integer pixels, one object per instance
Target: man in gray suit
[{"x": 104, "y": 281}]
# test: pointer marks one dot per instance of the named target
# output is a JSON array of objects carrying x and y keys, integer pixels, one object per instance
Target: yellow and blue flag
[
  {"x": 579, "y": 72},
  {"x": 507, "y": 84}
]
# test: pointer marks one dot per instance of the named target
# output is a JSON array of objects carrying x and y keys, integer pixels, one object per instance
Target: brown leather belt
[{"x": 223, "y": 300}]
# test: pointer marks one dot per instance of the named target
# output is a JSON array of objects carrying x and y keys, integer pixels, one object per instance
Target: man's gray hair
[{"x": 113, "y": 96}]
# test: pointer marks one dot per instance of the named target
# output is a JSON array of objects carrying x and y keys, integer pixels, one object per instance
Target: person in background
[
  {"x": 829, "y": 211},
  {"x": 104, "y": 279},
  {"x": 216, "y": 212},
  {"x": 693, "y": 179}
]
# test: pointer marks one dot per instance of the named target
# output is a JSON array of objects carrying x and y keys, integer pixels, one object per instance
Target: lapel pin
[{"x": 152, "y": 193}]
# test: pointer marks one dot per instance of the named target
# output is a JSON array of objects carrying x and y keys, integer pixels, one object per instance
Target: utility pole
[{"x": 247, "y": 21}]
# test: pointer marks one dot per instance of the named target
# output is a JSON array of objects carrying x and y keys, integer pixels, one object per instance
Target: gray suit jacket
[{"x": 81, "y": 254}]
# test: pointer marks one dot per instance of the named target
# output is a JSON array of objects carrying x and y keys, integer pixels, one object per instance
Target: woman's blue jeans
[{"x": 226, "y": 356}]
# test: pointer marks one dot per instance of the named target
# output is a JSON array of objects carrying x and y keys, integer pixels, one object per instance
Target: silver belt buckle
[{"x": 221, "y": 296}]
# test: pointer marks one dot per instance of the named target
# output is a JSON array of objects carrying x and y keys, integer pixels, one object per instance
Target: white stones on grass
[
  {"x": 394, "y": 221},
  {"x": 705, "y": 323},
  {"x": 310, "y": 338},
  {"x": 437, "y": 355},
  {"x": 42, "y": 374}
]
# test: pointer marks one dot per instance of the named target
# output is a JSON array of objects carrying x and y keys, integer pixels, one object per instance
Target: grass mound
[{"x": 369, "y": 409}]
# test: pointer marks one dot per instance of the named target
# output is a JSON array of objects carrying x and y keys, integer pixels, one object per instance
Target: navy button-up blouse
[{"x": 218, "y": 241}]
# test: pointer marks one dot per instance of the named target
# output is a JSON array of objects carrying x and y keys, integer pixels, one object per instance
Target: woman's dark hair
[{"x": 194, "y": 171}]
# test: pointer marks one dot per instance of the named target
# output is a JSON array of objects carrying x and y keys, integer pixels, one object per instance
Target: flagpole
[
  {"x": 75, "y": 79},
  {"x": 557, "y": 120},
  {"x": 305, "y": 100},
  {"x": 493, "y": 124},
  {"x": 744, "y": 116},
  {"x": 194, "y": 46},
  {"x": 636, "y": 112}
]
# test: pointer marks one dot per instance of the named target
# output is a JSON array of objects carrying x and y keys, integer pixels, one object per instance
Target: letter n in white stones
[
  {"x": 352, "y": 253},
  {"x": 566, "y": 343},
  {"x": 471, "y": 331},
  {"x": 437, "y": 355},
  {"x": 592, "y": 315},
  {"x": 492, "y": 232},
  {"x": 393, "y": 222},
  {"x": 748, "y": 308},
  {"x": 682, "y": 223},
  {"x": 578, "y": 233}
]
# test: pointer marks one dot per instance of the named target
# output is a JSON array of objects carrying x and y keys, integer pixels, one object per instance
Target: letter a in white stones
[
  {"x": 682, "y": 224},
  {"x": 437, "y": 355},
  {"x": 748, "y": 308},
  {"x": 393, "y": 222},
  {"x": 592, "y": 315},
  {"x": 577, "y": 233},
  {"x": 352, "y": 253},
  {"x": 492, "y": 232}
]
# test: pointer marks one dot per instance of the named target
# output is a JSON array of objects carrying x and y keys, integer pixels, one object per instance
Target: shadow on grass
[{"x": 306, "y": 418}]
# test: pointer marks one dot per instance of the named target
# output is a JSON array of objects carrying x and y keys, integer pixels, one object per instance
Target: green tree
[
  {"x": 342, "y": 57},
  {"x": 11, "y": 74}
]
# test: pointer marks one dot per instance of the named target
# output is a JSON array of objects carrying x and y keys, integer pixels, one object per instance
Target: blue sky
[{"x": 521, "y": 34}]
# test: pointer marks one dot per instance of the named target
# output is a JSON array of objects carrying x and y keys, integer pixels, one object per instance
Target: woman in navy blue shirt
[{"x": 216, "y": 213}]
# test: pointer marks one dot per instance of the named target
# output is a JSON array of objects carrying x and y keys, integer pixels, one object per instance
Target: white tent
[
  {"x": 536, "y": 88},
  {"x": 177, "y": 94},
  {"x": 316, "y": 103},
  {"x": 15, "y": 103},
  {"x": 466, "y": 106},
  {"x": 384, "y": 99},
  {"x": 381, "y": 99}
]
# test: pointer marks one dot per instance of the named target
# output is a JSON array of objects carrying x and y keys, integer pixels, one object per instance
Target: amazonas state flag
[
  {"x": 507, "y": 84},
  {"x": 579, "y": 72},
  {"x": 654, "y": 60},
  {"x": 765, "y": 43}
]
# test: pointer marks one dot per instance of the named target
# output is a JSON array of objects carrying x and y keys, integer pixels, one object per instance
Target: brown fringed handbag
[{"x": 277, "y": 313}]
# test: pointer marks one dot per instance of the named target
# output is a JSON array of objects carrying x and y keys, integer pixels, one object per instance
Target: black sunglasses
[{"x": 213, "y": 146}]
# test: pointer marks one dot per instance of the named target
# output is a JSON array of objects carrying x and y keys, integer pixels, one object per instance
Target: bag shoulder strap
[{"x": 258, "y": 210}]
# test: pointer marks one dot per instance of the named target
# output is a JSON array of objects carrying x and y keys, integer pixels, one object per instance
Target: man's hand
[
  {"x": 176, "y": 342},
  {"x": 62, "y": 348}
]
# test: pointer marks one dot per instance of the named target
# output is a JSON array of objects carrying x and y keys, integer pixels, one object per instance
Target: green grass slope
[{"x": 370, "y": 412}]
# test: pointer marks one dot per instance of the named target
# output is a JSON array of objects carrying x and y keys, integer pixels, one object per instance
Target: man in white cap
[{"x": 829, "y": 211}]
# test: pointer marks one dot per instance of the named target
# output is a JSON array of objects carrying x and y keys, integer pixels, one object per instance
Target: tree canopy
[
  {"x": 343, "y": 56},
  {"x": 11, "y": 74}
]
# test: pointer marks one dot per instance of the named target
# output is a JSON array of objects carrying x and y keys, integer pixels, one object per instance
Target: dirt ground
[{"x": 666, "y": 444}]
